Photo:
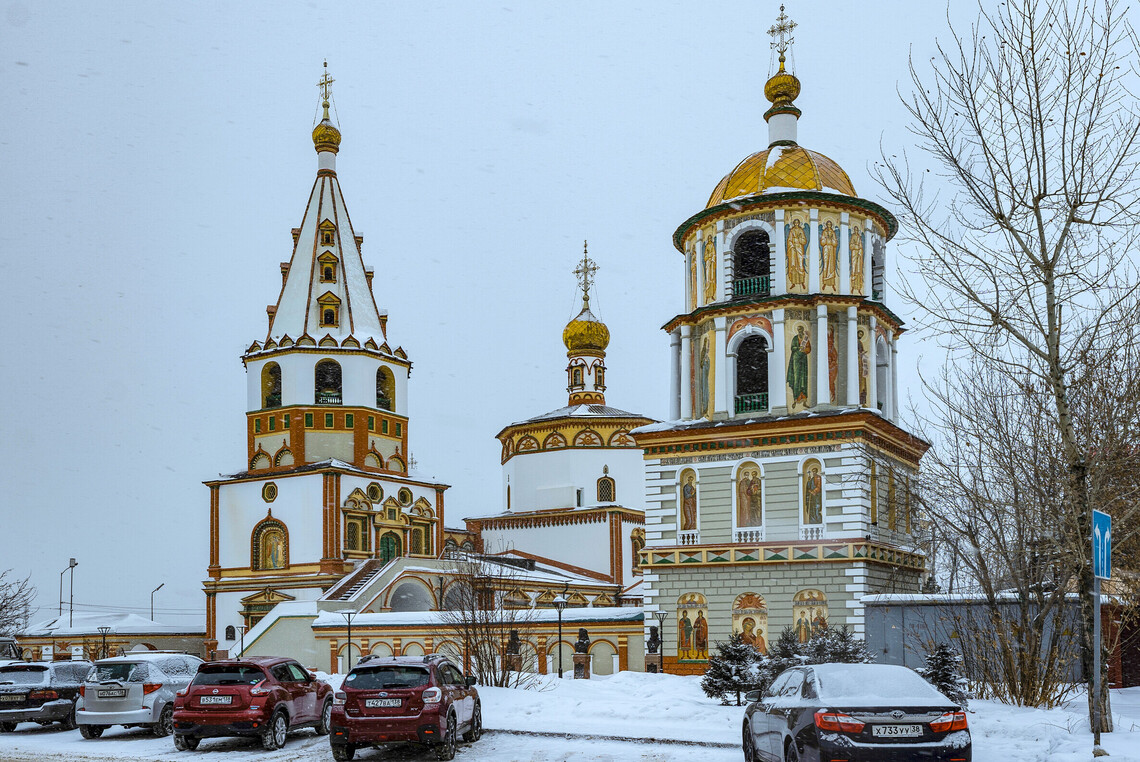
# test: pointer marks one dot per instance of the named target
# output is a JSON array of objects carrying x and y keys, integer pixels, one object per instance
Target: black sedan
[{"x": 853, "y": 713}]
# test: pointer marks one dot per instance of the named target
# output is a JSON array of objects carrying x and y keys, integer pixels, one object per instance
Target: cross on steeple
[
  {"x": 324, "y": 83},
  {"x": 585, "y": 272},
  {"x": 781, "y": 35}
]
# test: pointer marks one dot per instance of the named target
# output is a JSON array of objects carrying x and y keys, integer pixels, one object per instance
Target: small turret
[{"x": 586, "y": 339}]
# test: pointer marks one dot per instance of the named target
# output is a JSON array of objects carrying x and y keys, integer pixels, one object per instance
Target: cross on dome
[
  {"x": 585, "y": 273},
  {"x": 324, "y": 82},
  {"x": 781, "y": 35}
]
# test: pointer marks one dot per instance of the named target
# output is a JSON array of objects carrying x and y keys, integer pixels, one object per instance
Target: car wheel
[
  {"x": 165, "y": 724},
  {"x": 91, "y": 731},
  {"x": 791, "y": 753},
  {"x": 273, "y": 734},
  {"x": 186, "y": 743},
  {"x": 322, "y": 726},
  {"x": 342, "y": 753},
  {"x": 7, "y": 727},
  {"x": 445, "y": 749},
  {"x": 476, "y": 729},
  {"x": 749, "y": 747},
  {"x": 68, "y": 722}
]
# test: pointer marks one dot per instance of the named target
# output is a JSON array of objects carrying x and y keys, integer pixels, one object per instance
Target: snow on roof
[
  {"x": 582, "y": 411},
  {"x": 402, "y": 618},
  {"x": 935, "y": 599},
  {"x": 412, "y": 476},
  {"x": 121, "y": 623}
]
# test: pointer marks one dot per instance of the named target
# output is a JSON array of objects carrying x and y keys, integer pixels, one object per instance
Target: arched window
[
  {"x": 385, "y": 389},
  {"x": 417, "y": 542},
  {"x": 752, "y": 265},
  {"x": 606, "y": 490},
  {"x": 752, "y": 375},
  {"x": 352, "y": 536},
  {"x": 231, "y": 633},
  {"x": 576, "y": 377},
  {"x": 271, "y": 385},
  {"x": 882, "y": 375},
  {"x": 328, "y": 383},
  {"x": 878, "y": 262},
  {"x": 269, "y": 547}
]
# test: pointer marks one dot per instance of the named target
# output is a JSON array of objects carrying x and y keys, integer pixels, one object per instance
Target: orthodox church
[{"x": 779, "y": 494}]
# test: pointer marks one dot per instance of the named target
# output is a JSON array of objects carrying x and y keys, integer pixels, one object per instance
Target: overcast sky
[{"x": 156, "y": 156}]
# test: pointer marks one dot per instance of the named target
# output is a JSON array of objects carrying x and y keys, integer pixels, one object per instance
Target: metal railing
[
  {"x": 752, "y": 403},
  {"x": 760, "y": 285},
  {"x": 328, "y": 398}
]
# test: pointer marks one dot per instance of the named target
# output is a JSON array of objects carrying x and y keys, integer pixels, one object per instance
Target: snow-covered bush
[
  {"x": 943, "y": 671},
  {"x": 732, "y": 670}
]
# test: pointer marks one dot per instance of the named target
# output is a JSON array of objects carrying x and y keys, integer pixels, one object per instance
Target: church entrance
[{"x": 389, "y": 547}]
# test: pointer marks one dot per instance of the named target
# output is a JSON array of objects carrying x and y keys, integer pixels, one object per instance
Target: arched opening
[
  {"x": 878, "y": 262},
  {"x": 606, "y": 490},
  {"x": 327, "y": 385},
  {"x": 385, "y": 389},
  {"x": 389, "y": 547},
  {"x": 882, "y": 375},
  {"x": 231, "y": 633},
  {"x": 417, "y": 542},
  {"x": 270, "y": 546},
  {"x": 752, "y": 375},
  {"x": 271, "y": 385},
  {"x": 752, "y": 265},
  {"x": 411, "y": 596}
]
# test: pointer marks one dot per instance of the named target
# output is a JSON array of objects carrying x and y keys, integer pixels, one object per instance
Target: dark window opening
[
  {"x": 231, "y": 633},
  {"x": 271, "y": 385},
  {"x": 385, "y": 389},
  {"x": 328, "y": 383},
  {"x": 878, "y": 255},
  {"x": 605, "y": 490},
  {"x": 752, "y": 375},
  {"x": 328, "y": 273},
  {"x": 752, "y": 265}
]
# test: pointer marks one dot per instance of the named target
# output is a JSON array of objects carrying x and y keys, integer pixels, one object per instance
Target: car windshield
[
  {"x": 387, "y": 677},
  {"x": 21, "y": 674},
  {"x": 123, "y": 672},
  {"x": 229, "y": 675},
  {"x": 874, "y": 684}
]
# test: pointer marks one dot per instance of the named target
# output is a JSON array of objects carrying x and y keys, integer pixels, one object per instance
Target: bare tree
[
  {"x": 16, "y": 596},
  {"x": 1030, "y": 122}
]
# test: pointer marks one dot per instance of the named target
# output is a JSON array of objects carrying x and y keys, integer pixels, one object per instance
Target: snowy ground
[{"x": 630, "y": 716}]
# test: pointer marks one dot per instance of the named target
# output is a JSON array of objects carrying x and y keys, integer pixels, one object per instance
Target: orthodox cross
[
  {"x": 585, "y": 272},
  {"x": 781, "y": 34},
  {"x": 326, "y": 80}
]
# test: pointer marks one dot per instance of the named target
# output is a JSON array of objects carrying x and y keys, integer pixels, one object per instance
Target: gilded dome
[
  {"x": 326, "y": 137},
  {"x": 586, "y": 333},
  {"x": 782, "y": 88},
  {"x": 779, "y": 169}
]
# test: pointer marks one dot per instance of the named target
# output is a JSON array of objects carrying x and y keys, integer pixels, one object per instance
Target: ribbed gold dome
[
  {"x": 586, "y": 333},
  {"x": 782, "y": 168},
  {"x": 782, "y": 88},
  {"x": 326, "y": 137}
]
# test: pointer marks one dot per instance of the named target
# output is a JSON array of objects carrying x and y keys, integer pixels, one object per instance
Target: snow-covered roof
[
  {"x": 412, "y": 476},
  {"x": 414, "y": 618},
  {"x": 582, "y": 411},
  {"x": 89, "y": 624}
]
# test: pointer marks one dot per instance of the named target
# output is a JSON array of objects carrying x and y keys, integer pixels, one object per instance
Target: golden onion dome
[
  {"x": 782, "y": 88},
  {"x": 326, "y": 137},
  {"x": 586, "y": 333},
  {"x": 779, "y": 169}
]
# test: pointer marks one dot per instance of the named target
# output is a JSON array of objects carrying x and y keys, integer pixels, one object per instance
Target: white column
[
  {"x": 721, "y": 403},
  {"x": 777, "y": 368},
  {"x": 813, "y": 254},
  {"x": 686, "y": 364},
  {"x": 822, "y": 375},
  {"x": 724, "y": 266},
  {"x": 616, "y": 663},
  {"x": 675, "y": 373},
  {"x": 867, "y": 278},
  {"x": 780, "y": 258},
  {"x": 852, "y": 356},
  {"x": 844, "y": 254},
  {"x": 873, "y": 362},
  {"x": 894, "y": 374}
]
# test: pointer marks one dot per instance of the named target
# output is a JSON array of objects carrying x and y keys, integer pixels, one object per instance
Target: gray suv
[
  {"x": 134, "y": 690},
  {"x": 43, "y": 692}
]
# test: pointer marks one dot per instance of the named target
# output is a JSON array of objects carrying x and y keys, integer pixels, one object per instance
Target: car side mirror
[
  {"x": 470, "y": 681},
  {"x": 753, "y": 696}
]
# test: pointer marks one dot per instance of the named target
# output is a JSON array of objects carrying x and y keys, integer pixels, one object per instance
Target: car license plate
[
  {"x": 215, "y": 699},
  {"x": 12, "y": 697},
  {"x": 371, "y": 703},
  {"x": 117, "y": 693},
  {"x": 895, "y": 731}
]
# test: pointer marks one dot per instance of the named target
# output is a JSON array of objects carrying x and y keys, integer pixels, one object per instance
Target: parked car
[
  {"x": 853, "y": 712},
  {"x": 43, "y": 692},
  {"x": 134, "y": 690},
  {"x": 405, "y": 699},
  {"x": 263, "y": 696}
]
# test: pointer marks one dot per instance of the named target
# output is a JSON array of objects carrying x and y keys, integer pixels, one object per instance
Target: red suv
[
  {"x": 263, "y": 696},
  {"x": 404, "y": 698}
]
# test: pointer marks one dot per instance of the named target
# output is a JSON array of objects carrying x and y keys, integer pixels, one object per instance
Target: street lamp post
[
  {"x": 348, "y": 614},
  {"x": 103, "y": 649},
  {"x": 661, "y": 616},
  {"x": 152, "y": 592},
  {"x": 71, "y": 565},
  {"x": 241, "y": 632},
  {"x": 71, "y": 593},
  {"x": 560, "y": 604}
]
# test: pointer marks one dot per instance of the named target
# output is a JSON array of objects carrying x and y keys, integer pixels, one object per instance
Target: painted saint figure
[
  {"x": 273, "y": 549},
  {"x": 864, "y": 368},
  {"x": 803, "y": 628},
  {"x": 748, "y": 503},
  {"x": 692, "y": 279},
  {"x": 684, "y": 636},
  {"x": 701, "y": 636},
  {"x": 704, "y": 388},
  {"x": 710, "y": 270},
  {"x": 813, "y": 494},
  {"x": 832, "y": 363},
  {"x": 796, "y": 249},
  {"x": 856, "y": 262},
  {"x": 798, "y": 366},
  {"x": 688, "y": 504},
  {"x": 829, "y": 248}
]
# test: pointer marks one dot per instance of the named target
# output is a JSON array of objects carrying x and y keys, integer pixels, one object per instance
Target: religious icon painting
[
  {"x": 796, "y": 235},
  {"x": 709, "y": 265},
  {"x": 800, "y": 361},
  {"x": 749, "y": 494},
  {"x": 829, "y": 253},
  {"x": 809, "y": 613},
  {"x": 856, "y": 249},
  {"x": 750, "y": 620},
  {"x": 692, "y": 628},
  {"x": 687, "y": 519},
  {"x": 812, "y": 493}
]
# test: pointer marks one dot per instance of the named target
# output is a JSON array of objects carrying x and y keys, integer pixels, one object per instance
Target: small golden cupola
[
  {"x": 326, "y": 136},
  {"x": 586, "y": 339}
]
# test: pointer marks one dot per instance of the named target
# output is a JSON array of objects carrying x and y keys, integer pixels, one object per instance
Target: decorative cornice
[
  {"x": 747, "y": 307},
  {"x": 838, "y": 551}
]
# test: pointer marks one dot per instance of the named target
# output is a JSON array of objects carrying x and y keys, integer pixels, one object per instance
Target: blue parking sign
[{"x": 1102, "y": 545}]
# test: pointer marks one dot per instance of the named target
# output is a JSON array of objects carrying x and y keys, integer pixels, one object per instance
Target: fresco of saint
[
  {"x": 710, "y": 270},
  {"x": 684, "y": 636},
  {"x": 701, "y": 637},
  {"x": 829, "y": 248},
  {"x": 749, "y": 511},
  {"x": 813, "y": 493},
  {"x": 832, "y": 363},
  {"x": 273, "y": 549},
  {"x": 864, "y": 367},
  {"x": 856, "y": 262},
  {"x": 798, "y": 366},
  {"x": 688, "y": 502},
  {"x": 796, "y": 249},
  {"x": 692, "y": 279}
]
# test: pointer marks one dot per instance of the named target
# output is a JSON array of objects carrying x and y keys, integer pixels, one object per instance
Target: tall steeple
[
  {"x": 586, "y": 339},
  {"x": 783, "y": 87}
]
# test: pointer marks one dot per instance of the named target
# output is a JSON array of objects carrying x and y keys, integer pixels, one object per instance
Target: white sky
[{"x": 156, "y": 156}]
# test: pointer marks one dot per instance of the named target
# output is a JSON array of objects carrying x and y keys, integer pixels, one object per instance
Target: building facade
[{"x": 780, "y": 492}]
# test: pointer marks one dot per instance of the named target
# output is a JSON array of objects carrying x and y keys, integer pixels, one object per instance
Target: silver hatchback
[{"x": 134, "y": 690}]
